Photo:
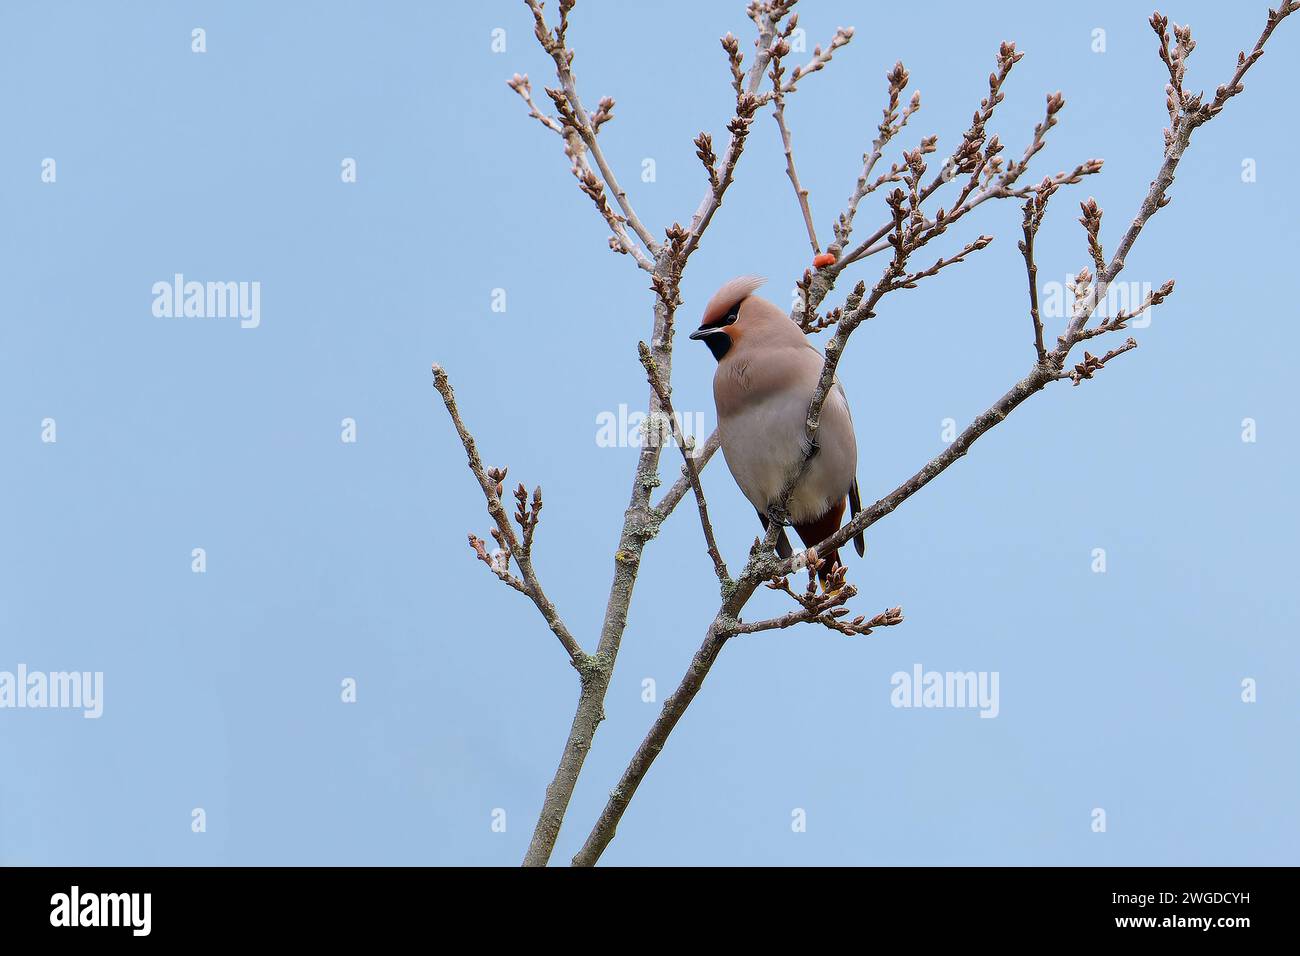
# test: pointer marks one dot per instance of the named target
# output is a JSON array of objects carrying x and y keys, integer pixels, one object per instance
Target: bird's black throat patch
[{"x": 719, "y": 344}]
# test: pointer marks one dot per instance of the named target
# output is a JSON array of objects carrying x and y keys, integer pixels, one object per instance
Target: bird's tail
[{"x": 855, "y": 505}]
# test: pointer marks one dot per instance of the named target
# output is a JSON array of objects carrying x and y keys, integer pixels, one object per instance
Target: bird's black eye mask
[
  {"x": 718, "y": 341},
  {"x": 728, "y": 319}
]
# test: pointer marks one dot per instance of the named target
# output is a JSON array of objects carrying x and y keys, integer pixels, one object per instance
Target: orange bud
[{"x": 822, "y": 260}]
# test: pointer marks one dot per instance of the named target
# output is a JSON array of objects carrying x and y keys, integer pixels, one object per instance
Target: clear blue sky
[{"x": 329, "y": 560}]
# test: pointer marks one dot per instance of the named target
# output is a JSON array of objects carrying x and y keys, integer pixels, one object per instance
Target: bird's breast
[{"x": 764, "y": 438}]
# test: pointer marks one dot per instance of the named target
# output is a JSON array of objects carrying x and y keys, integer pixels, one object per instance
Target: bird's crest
[{"x": 729, "y": 296}]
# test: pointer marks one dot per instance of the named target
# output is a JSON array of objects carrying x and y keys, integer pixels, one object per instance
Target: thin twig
[
  {"x": 554, "y": 43},
  {"x": 693, "y": 475},
  {"x": 747, "y": 104},
  {"x": 1035, "y": 206},
  {"x": 821, "y": 56},
  {"x": 523, "y": 557},
  {"x": 701, "y": 455},
  {"x": 780, "y": 49},
  {"x": 590, "y": 183},
  {"x": 891, "y": 125}
]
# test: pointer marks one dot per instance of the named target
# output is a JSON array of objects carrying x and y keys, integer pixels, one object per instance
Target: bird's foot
[{"x": 778, "y": 516}]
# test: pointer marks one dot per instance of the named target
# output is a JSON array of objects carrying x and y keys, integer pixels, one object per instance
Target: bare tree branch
[
  {"x": 554, "y": 43},
  {"x": 524, "y": 87},
  {"x": 911, "y": 232},
  {"x": 1092, "y": 363},
  {"x": 640, "y": 524},
  {"x": 641, "y": 521},
  {"x": 780, "y": 49},
  {"x": 991, "y": 182},
  {"x": 1124, "y": 316},
  {"x": 891, "y": 125},
  {"x": 906, "y": 232},
  {"x": 504, "y": 533},
  {"x": 701, "y": 455},
  {"x": 693, "y": 475},
  {"x": 747, "y": 104},
  {"x": 820, "y": 56},
  {"x": 825, "y": 607},
  {"x": 909, "y": 229},
  {"x": 879, "y": 243},
  {"x": 1196, "y": 115},
  {"x": 620, "y": 241},
  {"x": 1035, "y": 206}
]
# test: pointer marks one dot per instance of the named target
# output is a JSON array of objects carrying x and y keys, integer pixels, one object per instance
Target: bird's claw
[{"x": 778, "y": 516}]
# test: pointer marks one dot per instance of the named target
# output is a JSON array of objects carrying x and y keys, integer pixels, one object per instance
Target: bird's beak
[{"x": 705, "y": 331}]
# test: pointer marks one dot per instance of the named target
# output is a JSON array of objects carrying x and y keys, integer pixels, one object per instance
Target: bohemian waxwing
[{"x": 767, "y": 373}]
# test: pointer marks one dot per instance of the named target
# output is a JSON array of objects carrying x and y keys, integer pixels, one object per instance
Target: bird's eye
[{"x": 730, "y": 317}]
